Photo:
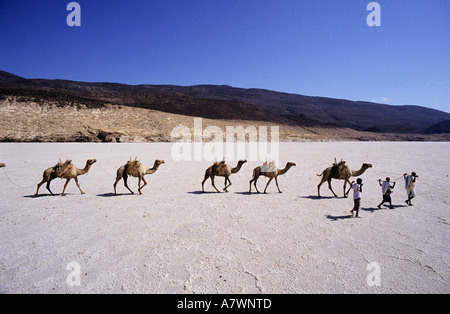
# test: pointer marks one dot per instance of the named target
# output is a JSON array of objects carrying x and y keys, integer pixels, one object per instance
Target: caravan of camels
[{"x": 66, "y": 170}]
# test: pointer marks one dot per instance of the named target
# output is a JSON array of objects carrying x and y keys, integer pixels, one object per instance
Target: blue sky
[{"x": 311, "y": 47}]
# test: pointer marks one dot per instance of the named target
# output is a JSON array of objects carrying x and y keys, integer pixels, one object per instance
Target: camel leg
[
  {"x": 319, "y": 185},
  {"x": 276, "y": 181},
  {"x": 345, "y": 184},
  {"x": 251, "y": 181},
  {"x": 256, "y": 187},
  {"x": 226, "y": 187},
  {"x": 212, "y": 181},
  {"x": 145, "y": 183},
  {"x": 254, "y": 180},
  {"x": 331, "y": 189},
  {"x": 115, "y": 185},
  {"x": 48, "y": 187},
  {"x": 78, "y": 184},
  {"x": 65, "y": 186},
  {"x": 270, "y": 180},
  {"x": 38, "y": 186},
  {"x": 125, "y": 182},
  {"x": 204, "y": 180},
  {"x": 139, "y": 185}
]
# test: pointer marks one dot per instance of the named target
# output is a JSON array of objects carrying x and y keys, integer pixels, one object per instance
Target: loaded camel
[
  {"x": 340, "y": 171},
  {"x": 269, "y": 170},
  {"x": 221, "y": 169},
  {"x": 66, "y": 171},
  {"x": 135, "y": 169},
  {"x": 52, "y": 173}
]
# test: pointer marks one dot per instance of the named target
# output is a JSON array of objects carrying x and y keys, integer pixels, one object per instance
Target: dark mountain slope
[{"x": 226, "y": 102}]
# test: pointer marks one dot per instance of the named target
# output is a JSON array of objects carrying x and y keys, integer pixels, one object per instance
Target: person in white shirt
[
  {"x": 357, "y": 190},
  {"x": 410, "y": 181},
  {"x": 386, "y": 189}
]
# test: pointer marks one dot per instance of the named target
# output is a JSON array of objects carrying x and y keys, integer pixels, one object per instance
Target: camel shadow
[
  {"x": 248, "y": 193},
  {"x": 201, "y": 192},
  {"x": 49, "y": 195},
  {"x": 41, "y": 195},
  {"x": 113, "y": 195},
  {"x": 336, "y": 218}
]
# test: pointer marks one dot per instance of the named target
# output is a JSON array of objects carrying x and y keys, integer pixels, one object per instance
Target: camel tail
[{"x": 319, "y": 175}]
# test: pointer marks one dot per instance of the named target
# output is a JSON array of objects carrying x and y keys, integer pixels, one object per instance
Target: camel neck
[
  {"x": 286, "y": 169},
  {"x": 153, "y": 170},
  {"x": 237, "y": 168},
  {"x": 358, "y": 172},
  {"x": 85, "y": 170}
]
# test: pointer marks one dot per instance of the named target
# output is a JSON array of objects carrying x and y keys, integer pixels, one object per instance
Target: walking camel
[
  {"x": 52, "y": 173},
  {"x": 269, "y": 170},
  {"x": 135, "y": 169},
  {"x": 221, "y": 169},
  {"x": 340, "y": 171},
  {"x": 72, "y": 172},
  {"x": 66, "y": 171}
]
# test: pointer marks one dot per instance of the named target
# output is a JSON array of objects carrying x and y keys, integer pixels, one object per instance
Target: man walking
[
  {"x": 410, "y": 181},
  {"x": 357, "y": 190},
  {"x": 386, "y": 189}
]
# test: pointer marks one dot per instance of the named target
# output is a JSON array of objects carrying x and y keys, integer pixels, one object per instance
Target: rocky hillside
[{"x": 59, "y": 110}]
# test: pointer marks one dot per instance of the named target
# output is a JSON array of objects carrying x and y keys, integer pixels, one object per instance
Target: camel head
[
  {"x": 2, "y": 165},
  {"x": 367, "y": 166},
  {"x": 90, "y": 162},
  {"x": 242, "y": 161},
  {"x": 159, "y": 162},
  {"x": 291, "y": 164}
]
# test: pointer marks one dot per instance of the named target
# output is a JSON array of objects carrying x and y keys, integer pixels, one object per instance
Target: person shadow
[
  {"x": 337, "y": 218},
  {"x": 315, "y": 197}
]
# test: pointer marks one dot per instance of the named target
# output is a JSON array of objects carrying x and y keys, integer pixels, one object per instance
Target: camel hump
[
  {"x": 62, "y": 168},
  {"x": 218, "y": 164},
  {"x": 339, "y": 165},
  {"x": 132, "y": 165},
  {"x": 269, "y": 167}
]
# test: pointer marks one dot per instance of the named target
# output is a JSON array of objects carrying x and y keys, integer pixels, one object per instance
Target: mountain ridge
[{"x": 227, "y": 102}]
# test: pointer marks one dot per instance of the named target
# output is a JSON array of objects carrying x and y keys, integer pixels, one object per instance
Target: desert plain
[{"x": 175, "y": 239}]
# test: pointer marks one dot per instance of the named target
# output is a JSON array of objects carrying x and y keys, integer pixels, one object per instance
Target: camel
[
  {"x": 340, "y": 171},
  {"x": 269, "y": 170},
  {"x": 72, "y": 172},
  {"x": 66, "y": 171},
  {"x": 221, "y": 169},
  {"x": 52, "y": 173},
  {"x": 137, "y": 170}
]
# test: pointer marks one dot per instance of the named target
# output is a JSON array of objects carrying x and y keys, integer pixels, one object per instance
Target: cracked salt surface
[{"x": 173, "y": 239}]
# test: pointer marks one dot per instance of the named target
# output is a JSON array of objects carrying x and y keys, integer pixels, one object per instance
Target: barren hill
[{"x": 61, "y": 110}]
